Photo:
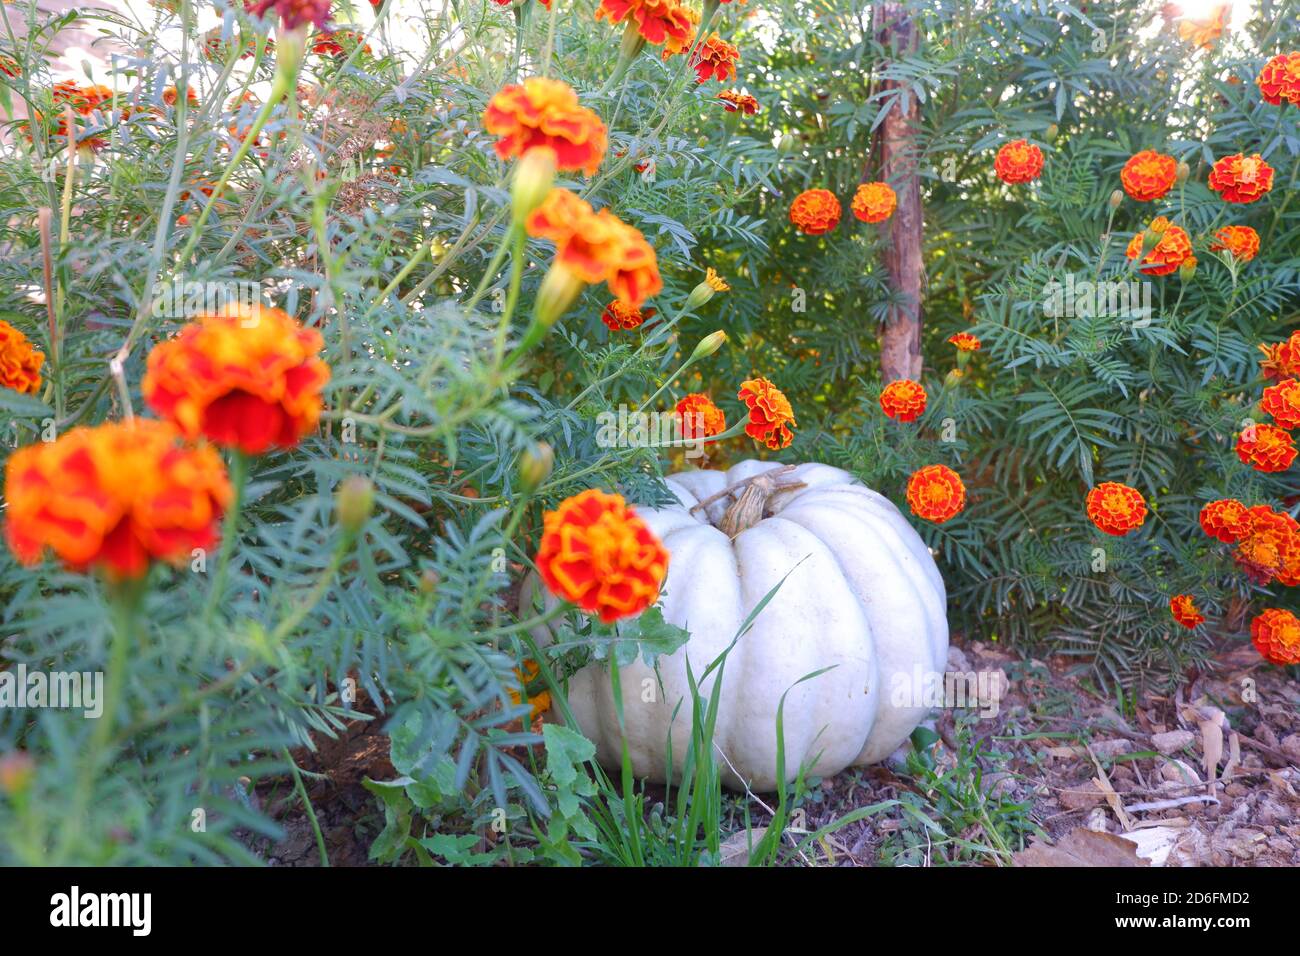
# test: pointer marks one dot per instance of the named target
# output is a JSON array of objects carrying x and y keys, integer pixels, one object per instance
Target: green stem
[
  {"x": 229, "y": 531},
  {"x": 306, "y": 803}
]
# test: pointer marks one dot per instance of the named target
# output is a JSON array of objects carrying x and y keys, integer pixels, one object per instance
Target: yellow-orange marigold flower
[
  {"x": 20, "y": 363},
  {"x": 936, "y": 493},
  {"x": 114, "y": 497},
  {"x": 1241, "y": 241},
  {"x": 1018, "y": 161},
  {"x": 1266, "y": 448},
  {"x": 598, "y": 554},
  {"x": 874, "y": 202},
  {"x": 1276, "y": 635},
  {"x": 699, "y": 417},
  {"x": 1148, "y": 175},
  {"x": 1226, "y": 519},
  {"x": 1173, "y": 249},
  {"x": 1116, "y": 508},
  {"x": 1281, "y": 359},
  {"x": 965, "y": 342},
  {"x": 658, "y": 21},
  {"x": 1240, "y": 178},
  {"x": 541, "y": 700},
  {"x": 597, "y": 246},
  {"x": 619, "y": 316},
  {"x": 715, "y": 58},
  {"x": 815, "y": 211},
  {"x": 544, "y": 113},
  {"x": 1282, "y": 401},
  {"x": 245, "y": 377},
  {"x": 1269, "y": 546},
  {"x": 903, "y": 400},
  {"x": 737, "y": 102},
  {"x": 770, "y": 414},
  {"x": 1184, "y": 610},
  {"x": 1280, "y": 79}
]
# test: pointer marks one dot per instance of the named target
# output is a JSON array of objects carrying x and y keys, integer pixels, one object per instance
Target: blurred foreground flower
[{"x": 20, "y": 363}]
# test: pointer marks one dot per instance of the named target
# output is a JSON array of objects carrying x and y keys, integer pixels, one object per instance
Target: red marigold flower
[
  {"x": 936, "y": 493},
  {"x": 1280, "y": 79},
  {"x": 715, "y": 58},
  {"x": 1281, "y": 359},
  {"x": 246, "y": 377},
  {"x": 1282, "y": 401},
  {"x": 597, "y": 246},
  {"x": 1276, "y": 635},
  {"x": 1266, "y": 448},
  {"x": 1241, "y": 242},
  {"x": 1240, "y": 178},
  {"x": 903, "y": 400},
  {"x": 1173, "y": 249},
  {"x": 874, "y": 202},
  {"x": 9, "y": 66},
  {"x": 293, "y": 13},
  {"x": 770, "y": 413},
  {"x": 545, "y": 113},
  {"x": 1183, "y": 608},
  {"x": 1018, "y": 161},
  {"x": 20, "y": 363},
  {"x": 1269, "y": 547},
  {"x": 815, "y": 211},
  {"x": 214, "y": 48},
  {"x": 699, "y": 417},
  {"x": 619, "y": 316},
  {"x": 735, "y": 101},
  {"x": 965, "y": 342},
  {"x": 337, "y": 43},
  {"x": 658, "y": 21},
  {"x": 114, "y": 497},
  {"x": 1116, "y": 508},
  {"x": 83, "y": 99},
  {"x": 598, "y": 554},
  {"x": 1148, "y": 175},
  {"x": 1226, "y": 519}
]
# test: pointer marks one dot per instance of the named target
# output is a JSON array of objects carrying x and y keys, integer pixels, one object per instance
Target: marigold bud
[
  {"x": 429, "y": 580},
  {"x": 535, "y": 465},
  {"x": 354, "y": 502},
  {"x": 1116, "y": 198},
  {"x": 1187, "y": 269},
  {"x": 709, "y": 344},
  {"x": 534, "y": 177},
  {"x": 1183, "y": 172},
  {"x": 954, "y": 377},
  {"x": 556, "y": 293},
  {"x": 1052, "y": 132},
  {"x": 703, "y": 292},
  {"x": 16, "y": 772}
]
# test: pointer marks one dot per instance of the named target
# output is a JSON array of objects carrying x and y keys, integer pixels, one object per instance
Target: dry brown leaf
[{"x": 1082, "y": 847}]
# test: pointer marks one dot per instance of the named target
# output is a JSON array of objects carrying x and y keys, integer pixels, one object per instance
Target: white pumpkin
[{"x": 865, "y": 596}]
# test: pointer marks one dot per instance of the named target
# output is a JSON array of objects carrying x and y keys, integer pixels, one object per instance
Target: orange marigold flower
[
  {"x": 545, "y": 113},
  {"x": 735, "y": 101},
  {"x": 20, "y": 363},
  {"x": 170, "y": 95},
  {"x": 770, "y": 413},
  {"x": 1281, "y": 359},
  {"x": 619, "y": 316},
  {"x": 715, "y": 58},
  {"x": 699, "y": 417},
  {"x": 9, "y": 66},
  {"x": 541, "y": 700},
  {"x": 114, "y": 497},
  {"x": 1173, "y": 249},
  {"x": 936, "y": 493},
  {"x": 903, "y": 400},
  {"x": 1241, "y": 178},
  {"x": 874, "y": 202},
  {"x": 337, "y": 43},
  {"x": 1018, "y": 161},
  {"x": 965, "y": 342},
  {"x": 1276, "y": 635},
  {"x": 1116, "y": 508},
  {"x": 245, "y": 377},
  {"x": 293, "y": 13},
  {"x": 1242, "y": 242},
  {"x": 658, "y": 21},
  {"x": 83, "y": 99},
  {"x": 1148, "y": 175},
  {"x": 597, "y": 246},
  {"x": 216, "y": 49},
  {"x": 1204, "y": 30},
  {"x": 1226, "y": 519},
  {"x": 1270, "y": 546},
  {"x": 815, "y": 211},
  {"x": 1183, "y": 608},
  {"x": 598, "y": 554},
  {"x": 1282, "y": 401},
  {"x": 1266, "y": 448},
  {"x": 1280, "y": 79}
]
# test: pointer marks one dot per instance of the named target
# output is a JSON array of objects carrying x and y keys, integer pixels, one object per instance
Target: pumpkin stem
[{"x": 750, "y": 507}]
